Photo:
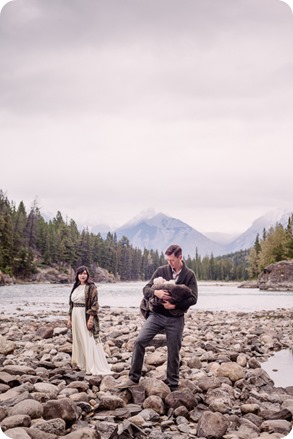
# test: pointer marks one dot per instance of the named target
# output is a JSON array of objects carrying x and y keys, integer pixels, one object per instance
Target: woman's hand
[
  {"x": 90, "y": 323},
  {"x": 69, "y": 323}
]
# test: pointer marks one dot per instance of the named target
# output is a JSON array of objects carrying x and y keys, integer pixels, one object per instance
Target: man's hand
[
  {"x": 168, "y": 305},
  {"x": 162, "y": 294}
]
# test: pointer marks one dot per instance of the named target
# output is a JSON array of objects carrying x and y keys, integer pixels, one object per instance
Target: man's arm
[
  {"x": 190, "y": 282},
  {"x": 147, "y": 289}
]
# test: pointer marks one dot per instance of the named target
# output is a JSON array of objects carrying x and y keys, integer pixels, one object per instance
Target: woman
[{"x": 84, "y": 322}]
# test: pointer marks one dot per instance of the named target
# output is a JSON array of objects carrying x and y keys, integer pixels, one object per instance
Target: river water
[
  {"x": 16, "y": 299},
  {"x": 22, "y": 299}
]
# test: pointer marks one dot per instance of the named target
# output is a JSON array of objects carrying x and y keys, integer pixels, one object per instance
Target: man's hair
[{"x": 174, "y": 249}]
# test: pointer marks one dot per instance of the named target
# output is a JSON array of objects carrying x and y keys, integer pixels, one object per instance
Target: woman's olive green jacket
[{"x": 91, "y": 306}]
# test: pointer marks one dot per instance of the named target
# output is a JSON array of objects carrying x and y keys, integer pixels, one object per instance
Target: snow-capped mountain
[
  {"x": 156, "y": 231},
  {"x": 159, "y": 231},
  {"x": 247, "y": 239}
]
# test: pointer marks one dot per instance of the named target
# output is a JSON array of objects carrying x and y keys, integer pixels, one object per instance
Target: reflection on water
[{"x": 280, "y": 368}]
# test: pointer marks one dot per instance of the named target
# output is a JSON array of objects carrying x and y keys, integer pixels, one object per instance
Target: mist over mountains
[{"x": 157, "y": 231}]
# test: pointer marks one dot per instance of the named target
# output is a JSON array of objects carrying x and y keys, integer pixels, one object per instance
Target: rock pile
[
  {"x": 223, "y": 392},
  {"x": 277, "y": 277},
  {"x": 5, "y": 279}
]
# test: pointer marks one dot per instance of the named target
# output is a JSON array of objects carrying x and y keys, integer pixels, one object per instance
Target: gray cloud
[{"x": 109, "y": 107}]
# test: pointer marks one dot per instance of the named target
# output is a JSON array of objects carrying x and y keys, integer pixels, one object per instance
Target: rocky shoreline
[
  {"x": 55, "y": 275},
  {"x": 223, "y": 392}
]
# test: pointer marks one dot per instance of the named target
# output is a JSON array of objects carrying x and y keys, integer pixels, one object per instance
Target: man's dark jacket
[{"x": 186, "y": 277}]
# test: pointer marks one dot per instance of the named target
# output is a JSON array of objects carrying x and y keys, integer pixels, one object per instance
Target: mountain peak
[
  {"x": 157, "y": 231},
  {"x": 145, "y": 214}
]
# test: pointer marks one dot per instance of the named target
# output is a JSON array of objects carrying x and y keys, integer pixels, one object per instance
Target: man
[{"x": 163, "y": 317}]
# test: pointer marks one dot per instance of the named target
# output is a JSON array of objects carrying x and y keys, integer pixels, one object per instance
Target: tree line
[{"x": 28, "y": 241}]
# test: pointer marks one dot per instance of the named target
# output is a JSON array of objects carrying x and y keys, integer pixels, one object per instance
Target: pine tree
[
  {"x": 6, "y": 241},
  {"x": 30, "y": 231},
  {"x": 289, "y": 238},
  {"x": 273, "y": 248},
  {"x": 84, "y": 252},
  {"x": 253, "y": 259}
]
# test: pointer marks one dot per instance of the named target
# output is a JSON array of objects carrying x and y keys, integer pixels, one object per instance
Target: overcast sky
[{"x": 110, "y": 107}]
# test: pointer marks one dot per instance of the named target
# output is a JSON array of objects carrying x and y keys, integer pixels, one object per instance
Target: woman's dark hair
[
  {"x": 174, "y": 249},
  {"x": 80, "y": 270}
]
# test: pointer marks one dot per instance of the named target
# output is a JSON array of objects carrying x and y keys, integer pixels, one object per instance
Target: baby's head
[{"x": 161, "y": 281}]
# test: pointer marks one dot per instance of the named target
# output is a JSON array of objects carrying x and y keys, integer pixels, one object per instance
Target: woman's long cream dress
[{"x": 87, "y": 354}]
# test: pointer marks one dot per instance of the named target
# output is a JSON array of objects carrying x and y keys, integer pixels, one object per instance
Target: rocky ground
[{"x": 223, "y": 392}]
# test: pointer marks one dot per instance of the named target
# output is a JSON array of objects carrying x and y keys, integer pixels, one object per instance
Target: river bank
[{"x": 224, "y": 392}]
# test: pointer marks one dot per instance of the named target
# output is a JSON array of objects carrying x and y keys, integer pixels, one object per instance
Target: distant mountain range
[
  {"x": 247, "y": 239},
  {"x": 157, "y": 231}
]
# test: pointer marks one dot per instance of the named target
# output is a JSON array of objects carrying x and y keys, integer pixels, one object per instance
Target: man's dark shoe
[
  {"x": 125, "y": 384},
  {"x": 173, "y": 388}
]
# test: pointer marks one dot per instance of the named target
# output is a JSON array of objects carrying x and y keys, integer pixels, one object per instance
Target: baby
[{"x": 178, "y": 292}]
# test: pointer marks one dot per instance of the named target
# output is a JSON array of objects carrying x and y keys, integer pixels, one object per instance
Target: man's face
[{"x": 174, "y": 262}]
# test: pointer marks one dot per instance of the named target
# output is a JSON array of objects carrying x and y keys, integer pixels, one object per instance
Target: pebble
[{"x": 223, "y": 390}]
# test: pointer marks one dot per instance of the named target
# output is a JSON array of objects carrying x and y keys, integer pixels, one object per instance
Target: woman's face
[{"x": 82, "y": 277}]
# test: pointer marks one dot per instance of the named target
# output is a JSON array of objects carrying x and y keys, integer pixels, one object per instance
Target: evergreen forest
[{"x": 29, "y": 242}]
